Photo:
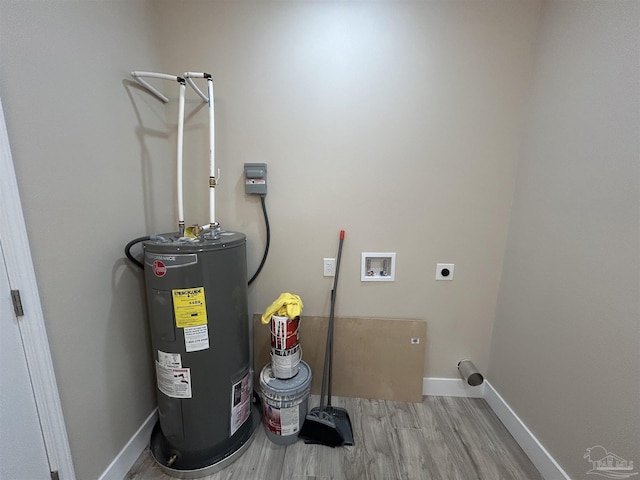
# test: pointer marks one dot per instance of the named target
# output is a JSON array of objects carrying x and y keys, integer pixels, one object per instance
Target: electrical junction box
[{"x": 255, "y": 175}]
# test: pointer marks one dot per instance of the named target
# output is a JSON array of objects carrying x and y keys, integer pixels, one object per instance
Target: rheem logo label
[{"x": 159, "y": 268}]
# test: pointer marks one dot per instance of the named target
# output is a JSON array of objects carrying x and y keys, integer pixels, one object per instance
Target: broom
[{"x": 328, "y": 425}]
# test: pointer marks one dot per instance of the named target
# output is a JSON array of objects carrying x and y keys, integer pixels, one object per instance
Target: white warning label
[
  {"x": 169, "y": 359},
  {"x": 174, "y": 382},
  {"x": 241, "y": 402},
  {"x": 290, "y": 420},
  {"x": 196, "y": 338},
  {"x": 281, "y": 421}
]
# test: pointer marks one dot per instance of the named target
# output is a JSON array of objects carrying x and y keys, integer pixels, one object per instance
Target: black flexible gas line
[
  {"x": 138, "y": 263},
  {"x": 266, "y": 247},
  {"x": 127, "y": 251}
]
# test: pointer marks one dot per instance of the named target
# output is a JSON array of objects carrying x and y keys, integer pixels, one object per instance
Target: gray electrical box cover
[{"x": 255, "y": 175}]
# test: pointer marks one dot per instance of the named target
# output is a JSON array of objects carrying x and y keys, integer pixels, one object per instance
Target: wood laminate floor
[{"x": 441, "y": 438}]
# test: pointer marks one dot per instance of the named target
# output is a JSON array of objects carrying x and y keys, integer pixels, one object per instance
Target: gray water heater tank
[{"x": 198, "y": 314}]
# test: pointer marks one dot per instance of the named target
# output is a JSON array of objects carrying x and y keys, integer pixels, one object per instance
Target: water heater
[{"x": 197, "y": 302}]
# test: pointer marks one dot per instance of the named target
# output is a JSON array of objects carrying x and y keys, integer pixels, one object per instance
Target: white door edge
[{"x": 22, "y": 277}]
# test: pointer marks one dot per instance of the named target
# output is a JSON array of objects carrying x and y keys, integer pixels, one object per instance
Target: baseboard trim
[
  {"x": 450, "y": 387},
  {"x": 118, "y": 468},
  {"x": 539, "y": 456}
]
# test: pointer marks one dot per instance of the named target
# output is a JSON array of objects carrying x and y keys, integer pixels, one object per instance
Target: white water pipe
[
  {"x": 212, "y": 157},
  {"x": 179, "y": 156},
  {"x": 139, "y": 77},
  {"x": 213, "y": 225},
  {"x": 189, "y": 76}
]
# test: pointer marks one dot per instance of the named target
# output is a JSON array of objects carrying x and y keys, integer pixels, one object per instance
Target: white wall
[
  {"x": 92, "y": 165},
  {"x": 396, "y": 121},
  {"x": 565, "y": 350}
]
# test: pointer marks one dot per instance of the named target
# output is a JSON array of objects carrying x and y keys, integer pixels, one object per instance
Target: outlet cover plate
[
  {"x": 329, "y": 267},
  {"x": 444, "y": 271}
]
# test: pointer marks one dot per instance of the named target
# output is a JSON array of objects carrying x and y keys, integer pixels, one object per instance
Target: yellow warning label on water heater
[{"x": 189, "y": 307}]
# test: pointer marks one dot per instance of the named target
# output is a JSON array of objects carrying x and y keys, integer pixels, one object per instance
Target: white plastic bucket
[{"x": 284, "y": 404}]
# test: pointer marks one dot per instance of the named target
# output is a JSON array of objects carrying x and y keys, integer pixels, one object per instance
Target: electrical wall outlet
[
  {"x": 329, "y": 267},
  {"x": 444, "y": 271}
]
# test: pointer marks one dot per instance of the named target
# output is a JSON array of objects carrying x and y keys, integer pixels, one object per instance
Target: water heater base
[{"x": 218, "y": 464}]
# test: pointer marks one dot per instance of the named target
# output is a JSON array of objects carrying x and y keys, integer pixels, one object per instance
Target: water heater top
[{"x": 171, "y": 242}]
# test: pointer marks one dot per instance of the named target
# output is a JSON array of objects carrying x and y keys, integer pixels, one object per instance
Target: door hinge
[
  {"x": 55, "y": 476},
  {"x": 17, "y": 303}
]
